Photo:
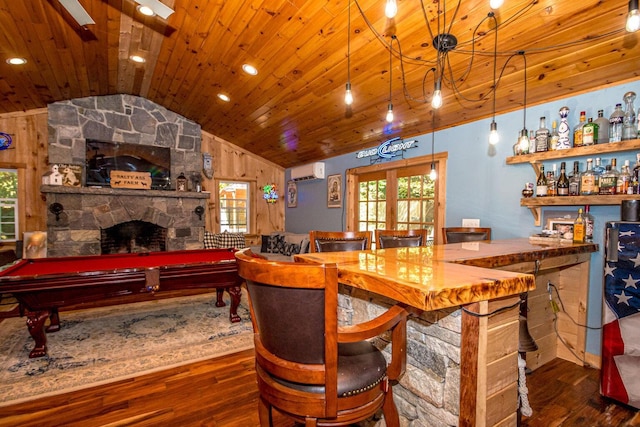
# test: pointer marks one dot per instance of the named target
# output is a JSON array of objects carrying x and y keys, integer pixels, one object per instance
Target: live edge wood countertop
[{"x": 436, "y": 277}]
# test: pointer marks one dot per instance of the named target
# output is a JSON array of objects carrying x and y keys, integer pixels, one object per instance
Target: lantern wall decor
[{"x": 270, "y": 193}]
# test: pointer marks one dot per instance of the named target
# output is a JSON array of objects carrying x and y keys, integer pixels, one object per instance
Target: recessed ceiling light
[
  {"x": 138, "y": 59},
  {"x": 16, "y": 61},
  {"x": 249, "y": 69},
  {"x": 145, "y": 10},
  {"x": 224, "y": 97}
]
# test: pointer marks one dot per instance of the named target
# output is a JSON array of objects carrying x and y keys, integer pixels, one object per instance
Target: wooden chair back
[
  {"x": 300, "y": 348},
  {"x": 465, "y": 234},
  {"x": 400, "y": 238},
  {"x": 339, "y": 241}
]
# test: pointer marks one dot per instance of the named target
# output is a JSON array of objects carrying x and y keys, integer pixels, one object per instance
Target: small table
[{"x": 44, "y": 285}]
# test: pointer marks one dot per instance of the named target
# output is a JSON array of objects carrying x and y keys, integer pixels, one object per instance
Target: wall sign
[
  {"x": 5, "y": 140},
  {"x": 387, "y": 150},
  {"x": 127, "y": 179}
]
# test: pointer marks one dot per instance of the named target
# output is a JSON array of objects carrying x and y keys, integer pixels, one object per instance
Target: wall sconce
[
  {"x": 199, "y": 210},
  {"x": 270, "y": 193},
  {"x": 56, "y": 209}
]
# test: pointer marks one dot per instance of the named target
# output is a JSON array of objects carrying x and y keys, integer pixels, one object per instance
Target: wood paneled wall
[
  {"x": 232, "y": 162},
  {"x": 28, "y": 154}
]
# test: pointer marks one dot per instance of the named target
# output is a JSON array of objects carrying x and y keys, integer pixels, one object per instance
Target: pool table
[{"x": 43, "y": 285}]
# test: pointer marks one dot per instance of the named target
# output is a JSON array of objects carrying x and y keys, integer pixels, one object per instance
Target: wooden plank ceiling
[{"x": 293, "y": 111}]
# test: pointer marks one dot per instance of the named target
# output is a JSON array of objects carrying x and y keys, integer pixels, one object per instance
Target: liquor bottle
[
  {"x": 589, "y": 133},
  {"x": 588, "y": 180},
  {"x": 608, "y": 182},
  {"x": 598, "y": 170},
  {"x": 542, "y": 136},
  {"x": 624, "y": 179},
  {"x": 551, "y": 182},
  {"x": 588, "y": 225},
  {"x": 564, "y": 131},
  {"x": 532, "y": 141},
  {"x": 615, "y": 124},
  {"x": 579, "y": 228},
  {"x": 574, "y": 180},
  {"x": 541, "y": 184},
  {"x": 629, "y": 128},
  {"x": 603, "y": 128},
  {"x": 562, "y": 185},
  {"x": 554, "y": 137},
  {"x": 577, "y": 130},
  {"x": 635, "y": 176}
]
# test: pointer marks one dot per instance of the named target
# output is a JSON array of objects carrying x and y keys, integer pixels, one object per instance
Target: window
[
  {"x": 8, "y": 204},
  {"x": 234, "y": 205},
  {"x": 399, "y": 196}
]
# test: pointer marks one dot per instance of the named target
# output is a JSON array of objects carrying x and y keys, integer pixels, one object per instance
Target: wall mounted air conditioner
[{"x": 307, "y": 172}]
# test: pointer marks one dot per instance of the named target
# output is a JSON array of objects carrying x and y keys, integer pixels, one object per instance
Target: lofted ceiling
[{"x": 293, "y": 111}]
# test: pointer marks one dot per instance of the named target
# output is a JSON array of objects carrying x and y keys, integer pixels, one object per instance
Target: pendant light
[
  {"x": 494, "y": 137},
  {"x": 348, "y": 95},
  {"x": 391, "y": 9},
  {"x": 633, "y": 18},
  {"x": 389, "y": 116},
  {"x": 524, "y": 138}
]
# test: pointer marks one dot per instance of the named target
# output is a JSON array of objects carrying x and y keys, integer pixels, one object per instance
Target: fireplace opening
[{"x": 133, "y": 237}]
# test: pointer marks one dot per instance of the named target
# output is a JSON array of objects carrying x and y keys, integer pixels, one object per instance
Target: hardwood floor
[{"x": 222, "y": 393}]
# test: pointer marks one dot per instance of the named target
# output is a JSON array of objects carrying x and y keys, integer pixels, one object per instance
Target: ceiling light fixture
[
  {"x": 348, "y": 95},
  {"x": 16, "y": 61},
  {"x": 250, "y": 69},
  {"x": 633, "y": 18},
  {"x": 224, "y": 97},
  {"x": 145, "y": 10},
  {"x": 78, "y": 13},
  {"x": 389, "y": 117},
  {"x": 158, "y": 8},
  {"x": 137, "y": 58}
]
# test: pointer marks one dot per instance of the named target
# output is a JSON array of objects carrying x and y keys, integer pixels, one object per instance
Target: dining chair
[
  {"x": 307, "y": 366},
  {"x": 465, "y": 234},
  {"x": 400, "y": 238},
  {"x": 338, "y": 241}
]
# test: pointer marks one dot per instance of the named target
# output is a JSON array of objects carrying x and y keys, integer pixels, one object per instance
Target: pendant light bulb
[
  {"x": 523, "y": 141},
  {"x": 436, "y": 101},
  {"x": 390, "y": 113},
  {"x": 495, "y": 4},
  {"x": 391, "y": 9},
  {"x": 494, "y": 137},
  {"x": 348, "y": 96},
  {"x": 433, "y": 174},
  {"x": 633, "y": 18}
]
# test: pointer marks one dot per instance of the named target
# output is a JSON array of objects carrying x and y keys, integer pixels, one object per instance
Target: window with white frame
[
  {"x": 234, "y": 206},
  {"x": 8, "y": 205}
]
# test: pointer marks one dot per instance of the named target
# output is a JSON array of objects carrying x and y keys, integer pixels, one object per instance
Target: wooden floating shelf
[
  {"x": 535, "y": 204},
  {"x": 611, "y": 147}
]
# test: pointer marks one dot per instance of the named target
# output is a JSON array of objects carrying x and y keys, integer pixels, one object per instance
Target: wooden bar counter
[{"x": 462, "y": 340}]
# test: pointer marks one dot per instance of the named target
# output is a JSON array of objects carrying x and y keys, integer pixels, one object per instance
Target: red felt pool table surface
[{"x": 43, "y": 285}]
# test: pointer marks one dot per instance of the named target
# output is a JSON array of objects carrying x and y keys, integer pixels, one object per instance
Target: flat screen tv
[{"x": 103, "y": 157}]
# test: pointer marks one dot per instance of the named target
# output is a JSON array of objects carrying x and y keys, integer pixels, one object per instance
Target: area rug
[{"x": 102, "y": 345}]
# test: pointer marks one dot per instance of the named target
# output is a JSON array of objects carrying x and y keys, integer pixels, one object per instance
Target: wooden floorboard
[{"x": 223, "y": 393}]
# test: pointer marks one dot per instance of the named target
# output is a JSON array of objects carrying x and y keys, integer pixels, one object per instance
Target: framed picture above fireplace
[{"x": 103, "y": 157}]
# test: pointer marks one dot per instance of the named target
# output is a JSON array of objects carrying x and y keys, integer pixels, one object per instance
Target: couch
[
  {"x": 277, "y": 246},
  {"x": 282, "y": 245}
]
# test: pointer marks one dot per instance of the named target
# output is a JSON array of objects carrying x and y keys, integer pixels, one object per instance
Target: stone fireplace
[{"x": 79, "y": 217}]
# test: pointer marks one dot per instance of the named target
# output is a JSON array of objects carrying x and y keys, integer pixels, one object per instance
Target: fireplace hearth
[{"x": 89, "y": 213}]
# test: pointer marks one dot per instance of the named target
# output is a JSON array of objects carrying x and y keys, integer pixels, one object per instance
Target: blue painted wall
[{"x": 481, "y": 185}]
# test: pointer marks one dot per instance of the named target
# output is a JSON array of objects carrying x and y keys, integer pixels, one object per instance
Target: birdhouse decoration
[{"x": 270, "y": 193}]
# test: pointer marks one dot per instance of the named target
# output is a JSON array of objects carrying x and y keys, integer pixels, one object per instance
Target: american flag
[{"x": 621, "y": 318}]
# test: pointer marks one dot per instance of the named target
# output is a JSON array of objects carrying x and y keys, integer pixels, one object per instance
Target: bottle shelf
[{"x": 535, "y": 204}]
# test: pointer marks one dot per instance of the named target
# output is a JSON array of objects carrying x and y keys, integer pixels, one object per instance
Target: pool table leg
[
  {"x": 35, "y": 323},
  {"x": 54, "y": 321},
  {"x": 235, "y": 292}
]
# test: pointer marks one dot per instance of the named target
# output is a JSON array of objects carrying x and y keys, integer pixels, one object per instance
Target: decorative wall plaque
[{"x": 127, "y": 179}]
